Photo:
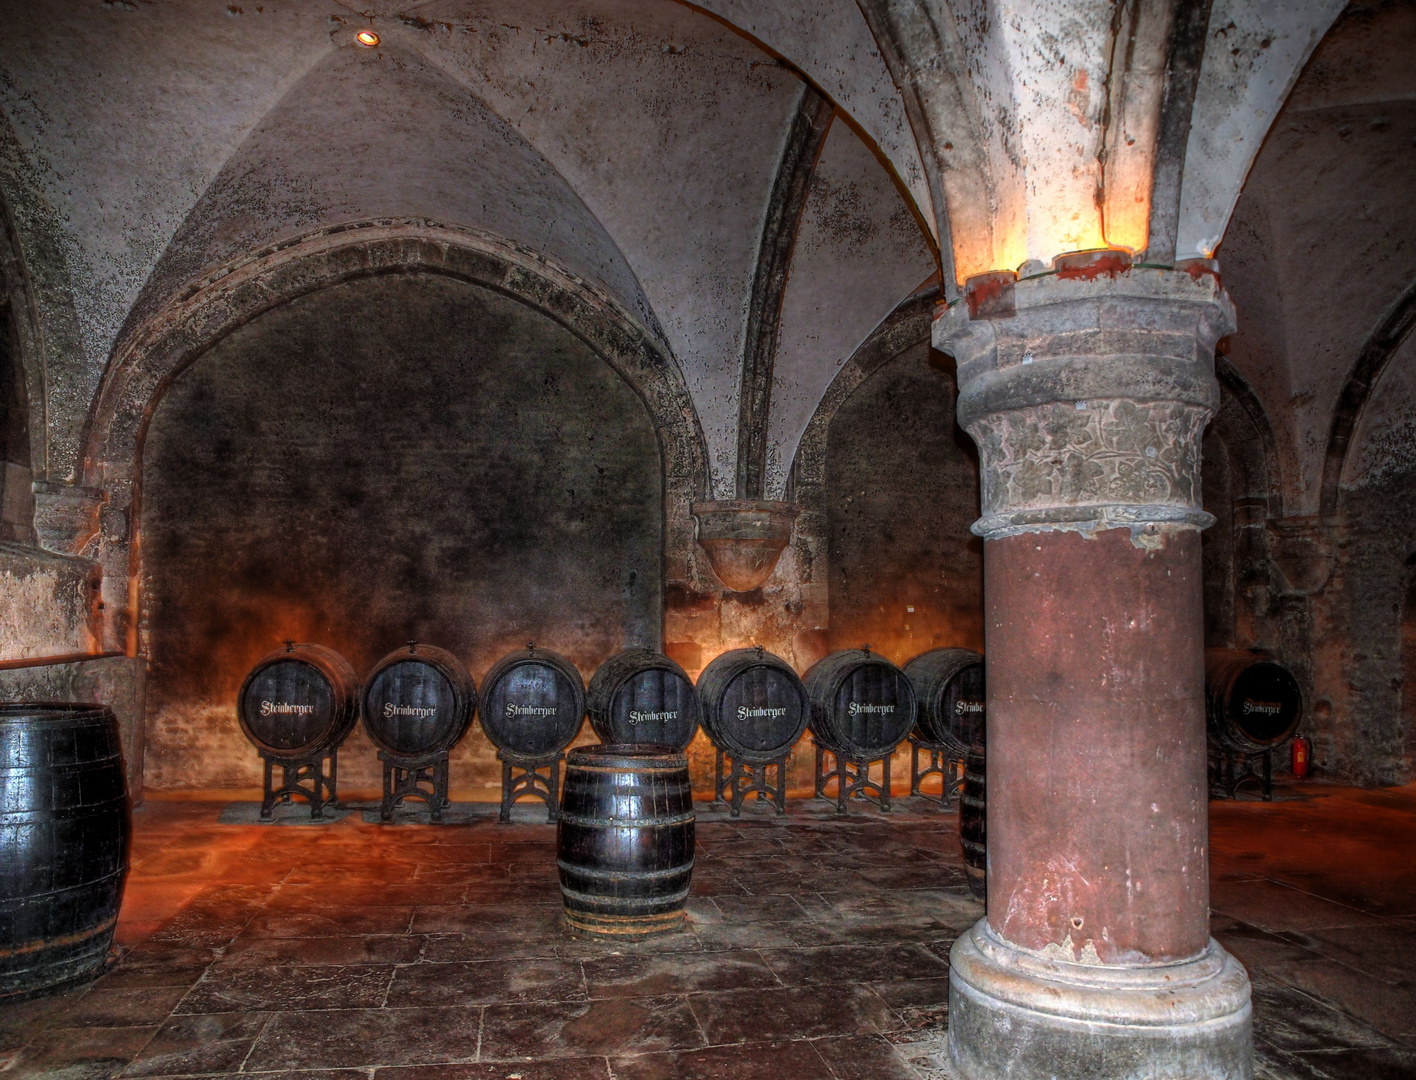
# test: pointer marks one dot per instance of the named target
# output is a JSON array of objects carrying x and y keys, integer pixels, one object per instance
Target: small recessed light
[{"x": 367, "y": 38}]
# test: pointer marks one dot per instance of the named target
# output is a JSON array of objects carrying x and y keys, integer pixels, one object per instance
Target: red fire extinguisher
[{"x": 1302, "y": 755}]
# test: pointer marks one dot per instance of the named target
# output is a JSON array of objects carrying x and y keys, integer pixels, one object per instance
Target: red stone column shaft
[{"x": 1097, "y": 807}]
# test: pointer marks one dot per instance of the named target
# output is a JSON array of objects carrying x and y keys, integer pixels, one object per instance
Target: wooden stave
[
  {"x": 508, "y": 663},
  {"x": 464, "y": 689},
  {"x": 930, "y": 674},
  {"x": 713, "y": 685},
  {"x": 345, "y": 694},
  {"x": 973, "y": 820}
]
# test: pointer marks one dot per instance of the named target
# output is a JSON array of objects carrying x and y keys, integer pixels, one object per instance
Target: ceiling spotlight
[{"x": 367, "y": 38}]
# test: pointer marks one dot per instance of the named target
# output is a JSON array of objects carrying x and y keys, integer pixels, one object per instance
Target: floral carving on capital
[{"x": 1130, "y": 461}]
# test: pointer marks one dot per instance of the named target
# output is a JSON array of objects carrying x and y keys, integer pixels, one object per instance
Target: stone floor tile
[
  {"x": 115, "y": 1007},
  {"x": 310, "y": 986},
  {"x": 590, "y": 1068},
  {"x": 1386, "y": 952},
  {"x": 742, "y": 1016},
  {"x": 487, "y": 982},
  {"x": 598, "y": 1027},
  {"x": 360, "y": 949},
  {"x": 1271, "y": 906},
  {"x": 863, "y": 1057},
  {"x": 920, "y": 1003},
  {"x": 772, "y": 907},
  {"x": 854, "y": 964},
  {"x": 211, "y": 1043},
  {"x": 360, "y": 1038},
  {"x": 1255, "y": 947},
  {"x": 334, "y": 921},
  {"x": 1388, "y": 1009},
  {"x": 757, "y": 1061},
  {"x": 1293, "y": 1021},
  {"x": 54, "y": 1048},
  {"x": 151, "y": 965},
  {"x": 647, "y": 975}
]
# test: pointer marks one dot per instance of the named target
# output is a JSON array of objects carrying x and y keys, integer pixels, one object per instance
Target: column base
[{"x": 1014, "y": 1015}]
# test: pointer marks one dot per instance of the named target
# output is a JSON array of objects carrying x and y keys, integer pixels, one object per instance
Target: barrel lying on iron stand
[
  {"x": 973, "y": 821},
  {"x": 533, "y": 704},
  {"x": 65, "y": 827},
  {"x": 949, "y": 687},
  {"x": 624, "y": 843},
  {"x": 754, "y": 708},
  {"x": 641, "y": 696},
  {"x": 417, "y": 704},
  {"x": 862, "y": 708},
  {"x": 296, "y": 706},
  {"x": 1253, "y": 705}
]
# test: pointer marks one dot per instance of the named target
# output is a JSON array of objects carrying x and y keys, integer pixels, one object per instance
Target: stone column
[{"x": 1087, "y": 391}]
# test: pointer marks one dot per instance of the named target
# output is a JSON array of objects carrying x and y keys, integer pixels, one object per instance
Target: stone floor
[{"x": 818, "y": 949}]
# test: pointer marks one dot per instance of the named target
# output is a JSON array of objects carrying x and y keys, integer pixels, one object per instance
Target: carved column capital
[{"x": 1087, "y": 392}]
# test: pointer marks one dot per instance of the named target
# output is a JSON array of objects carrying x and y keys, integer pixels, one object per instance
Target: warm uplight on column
[{"x": 367, "y": 38}]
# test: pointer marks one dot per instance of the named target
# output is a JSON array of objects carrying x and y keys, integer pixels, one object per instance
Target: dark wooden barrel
[
  {"x": 418, "y": 701},
  {"x": 862, "y": 706},
  {"x": 973, "y": 821},
  {"x": 65, "y": 825},
  {"x": 948, "y": 685},
  {"x": 641, "y": 696},
  {"x": 298, "y": 702},
  {"x": 752, "y": 705},
  {"x": 624, "y": 844},
  {"x": 533, "y": 703},
  {"x": 1252, "y": 701}
]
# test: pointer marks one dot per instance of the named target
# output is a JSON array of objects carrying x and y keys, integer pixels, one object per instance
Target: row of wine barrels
[
  {"x": 1253, "y": 703},
  {"x": 625, "y": 840},
  {"x": 65, "y": 827}
]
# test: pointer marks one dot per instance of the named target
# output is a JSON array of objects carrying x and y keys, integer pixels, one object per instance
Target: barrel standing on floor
[
  {"x": 296, "y": 706},
  {"x": 641, "y": 696},
  {"x": 949, "y": 687},
  {"x": 533, "y": 707},
  {"x": 862, "y": 708},
  {"x": 1252, "y": 706},
  {"x": 417, "y": 704},
  {"x": 973, "y": 821},
  {"x": 754, "y": 708},
  {"x": 625, "y": 840},
  {"x": 65, "y": 826}
]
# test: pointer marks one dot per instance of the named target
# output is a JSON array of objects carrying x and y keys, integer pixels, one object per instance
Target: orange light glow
[{"x": 367, "y": 38}]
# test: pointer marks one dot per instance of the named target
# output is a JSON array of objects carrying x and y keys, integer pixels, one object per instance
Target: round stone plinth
[{"x": 1019, "y": 1016}]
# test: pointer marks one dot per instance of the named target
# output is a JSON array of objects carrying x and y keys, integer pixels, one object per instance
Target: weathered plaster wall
[
  {"x": 858, "y": 254},
  {"x": 399, "y": 457}
]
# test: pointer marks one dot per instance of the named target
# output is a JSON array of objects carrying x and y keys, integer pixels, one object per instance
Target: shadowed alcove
[{"x": 393, "y": 458}]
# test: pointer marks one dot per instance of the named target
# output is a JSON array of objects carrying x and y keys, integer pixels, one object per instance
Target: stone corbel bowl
[{"x": 744, "y": 538}]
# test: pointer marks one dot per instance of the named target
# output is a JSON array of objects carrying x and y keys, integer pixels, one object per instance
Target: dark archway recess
[
  {"x": 1408, "y": 677},
  {"x": 901, "y": 490},
  {"x": 393, "y": 457}
]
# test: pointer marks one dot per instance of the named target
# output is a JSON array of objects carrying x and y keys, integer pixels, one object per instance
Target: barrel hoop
[
  {"x": 625, "y": 901},
  {"x": 613, "y": 822},
  {"x": 639, "y": 766},
  {"x": 68, "y": 813},
  {"x": 625, "y": 875},
  {"x": 65, "y": 939}
]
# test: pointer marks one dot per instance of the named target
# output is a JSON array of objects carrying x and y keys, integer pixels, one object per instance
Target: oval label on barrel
[
  {"x": 873, "y": 707},
  {"x": 288, "y": 705},
  {"x": 654, "y": 706},
  {"x": 1268, "y": 702},
  {"x": 763, "y": 708},
  {"x": 531, "y": 710},
  {"x": 413, "y": 706}
]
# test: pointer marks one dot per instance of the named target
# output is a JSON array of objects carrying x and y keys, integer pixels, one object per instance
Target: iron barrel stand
[
  {"x": 852, "y": 776},
  {"x": 1228, "y": 769},
  {"x": 423, "y": 778},
  {"x": 530, "y": 777},
  {"x": 305, "y": 778},
  {"x": 943, "y": 763},
  {"x": 742, "y": 779}
]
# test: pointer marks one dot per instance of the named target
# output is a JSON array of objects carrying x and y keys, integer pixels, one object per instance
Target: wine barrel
[
  {"x": 624, "y": 843},
  {"x": 641, "y": 696},
  {"x": 65, "y": 826},
  {"x": 973, "y": 821},
  {"x": 862, "y": 706},
  {"x": 752, "y": 705},
  {"x": 1253, "y": 702},
  {"x": 418, "y": 701},
  {"x": 533, "y": 703},
  {"x": 298, "y": 702},
  {"x": 948, "y": 684}
]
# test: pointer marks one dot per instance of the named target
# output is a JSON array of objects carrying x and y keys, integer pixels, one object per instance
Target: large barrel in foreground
[
  {"x": 752, "y": 705},
  {"x": 624, "y": 843},
  {"x": 1253, "y": 703},
  {"x": 641, "y": 696},
  {"x": 862, "y": 706},
  {"x": 298, "y": 702},
  {"x": 973, "y": 821},
  {"x": 533, "y": 703},
  {"x": 64, "y": 831},
  {"x": 948, "y": 685},
  {"x": 418, "y": 701}
]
